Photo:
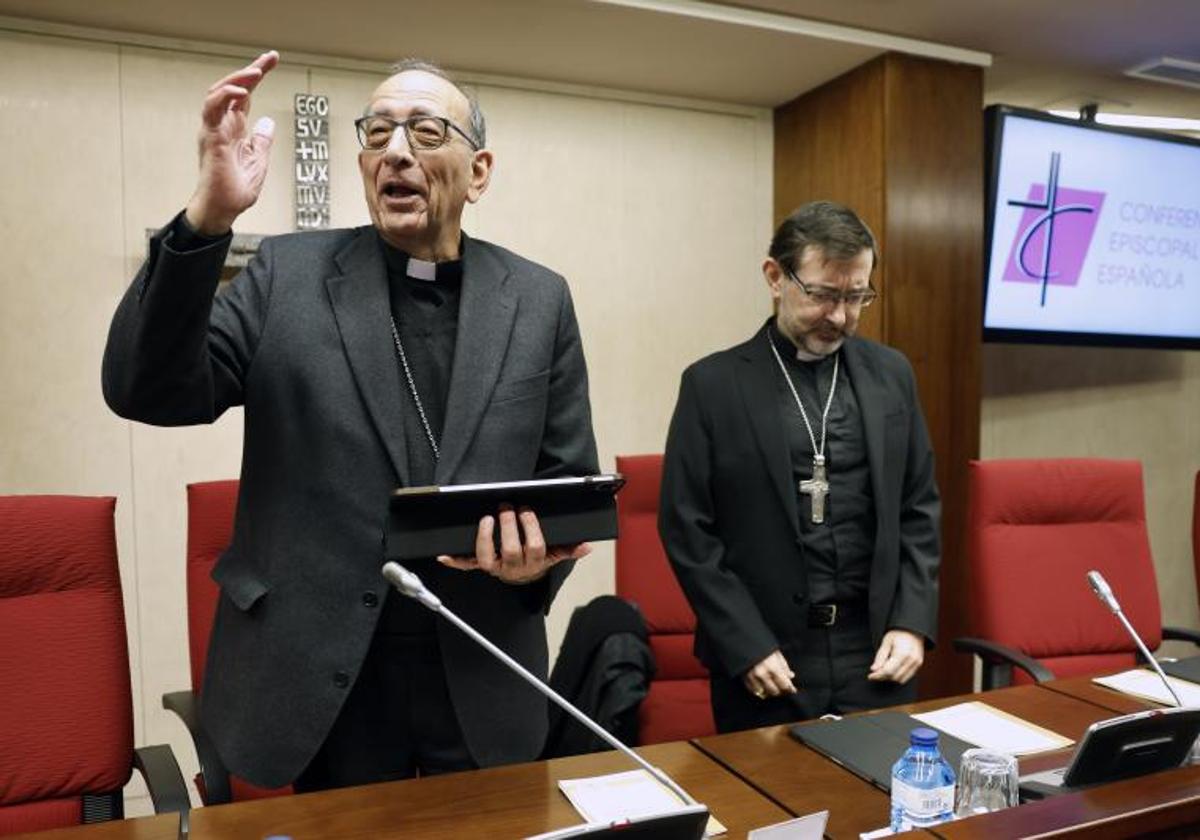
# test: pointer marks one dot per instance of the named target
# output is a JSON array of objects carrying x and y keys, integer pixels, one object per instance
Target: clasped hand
[
  {"x": 519, "y": 560},
  {"x": 900, "y": 655}
]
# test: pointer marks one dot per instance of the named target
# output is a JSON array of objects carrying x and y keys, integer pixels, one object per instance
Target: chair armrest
[
  {"x": 1181, "y": 634},
  {"x": 168, "y": 791},
  {"x": 186, "y": 705},
  {"x": 998, "y": 662}
]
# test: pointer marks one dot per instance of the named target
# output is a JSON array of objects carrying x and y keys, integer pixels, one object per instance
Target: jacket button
[
  {"x": 370, "y": 599},
  {"x": 341, "y": 679}
]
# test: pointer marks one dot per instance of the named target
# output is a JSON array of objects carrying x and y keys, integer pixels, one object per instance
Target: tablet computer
[{"x": 428, "y": 521}]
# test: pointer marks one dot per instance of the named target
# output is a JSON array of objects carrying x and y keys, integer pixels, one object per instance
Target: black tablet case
[
  {"x": 425, "y": 522},
  {"x": 1184, "y": 669},
  {"x": 868, "y": 745}
]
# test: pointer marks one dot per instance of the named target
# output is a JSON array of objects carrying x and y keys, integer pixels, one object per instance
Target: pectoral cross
[{"x": 817, "y": 488}]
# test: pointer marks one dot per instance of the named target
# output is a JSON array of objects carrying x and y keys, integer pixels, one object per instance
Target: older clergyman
[
  {"x": 400, "y": 353},
  {"x": 799, "y": 509}
]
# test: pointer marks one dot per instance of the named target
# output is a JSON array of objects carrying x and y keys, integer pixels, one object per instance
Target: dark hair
[
  {"x": 834, "y": 228},
  {"x": 477, "y": 127}
]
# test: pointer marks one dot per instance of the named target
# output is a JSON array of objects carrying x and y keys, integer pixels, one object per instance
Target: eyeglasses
[
  {"x": 423, "y": 132},
  {"x": 824, "y": 297}
]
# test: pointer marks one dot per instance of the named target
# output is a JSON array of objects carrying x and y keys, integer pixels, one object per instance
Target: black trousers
[
  {"x": 398, "y": 721},
  {"x": 831, "y": 665}
]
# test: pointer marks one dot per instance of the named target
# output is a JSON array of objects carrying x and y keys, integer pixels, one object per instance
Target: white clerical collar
[
  {"x": 422, "y": 270},
  {"x": 804, "y": 356}
]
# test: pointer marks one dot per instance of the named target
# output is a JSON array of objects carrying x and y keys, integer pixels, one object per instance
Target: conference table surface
[
  {"x": 803, "y": 780},
  {"x": 747, "y": 779},
  {"x": 502, "y": 802}
]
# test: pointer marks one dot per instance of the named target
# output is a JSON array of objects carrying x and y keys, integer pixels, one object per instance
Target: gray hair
[
  {"x": 834, "y": 228},
  {"x": 477, "y": 126}
]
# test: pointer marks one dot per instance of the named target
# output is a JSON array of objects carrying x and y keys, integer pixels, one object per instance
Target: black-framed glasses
[
  {"x": 423, "y": 132},
  {"x": 825, "y": 297}
]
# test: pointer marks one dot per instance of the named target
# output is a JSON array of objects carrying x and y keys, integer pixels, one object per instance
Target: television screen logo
[{"x": 1054, "y": 233}]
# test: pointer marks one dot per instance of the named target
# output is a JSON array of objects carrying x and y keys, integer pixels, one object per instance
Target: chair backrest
[
  {"x": 210, "y": 509},
  {"x": 678, "y": 705},
  {"x": 66, "y": 714},
  {"x": 1036, "y": 528}
]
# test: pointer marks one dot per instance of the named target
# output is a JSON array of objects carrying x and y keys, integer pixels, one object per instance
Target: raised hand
[{"x": 233, "y": 165}]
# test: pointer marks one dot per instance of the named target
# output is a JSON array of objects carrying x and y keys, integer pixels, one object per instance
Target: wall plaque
[{"x": 312, "y": 161}]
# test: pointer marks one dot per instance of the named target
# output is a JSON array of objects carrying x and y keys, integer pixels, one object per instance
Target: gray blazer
[{"x": 301, "y": 338}]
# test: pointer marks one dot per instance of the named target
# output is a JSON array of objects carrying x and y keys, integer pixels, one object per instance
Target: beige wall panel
[
  {"x": 1042, "y": 402},
  {"x": 61, "y": 168}
]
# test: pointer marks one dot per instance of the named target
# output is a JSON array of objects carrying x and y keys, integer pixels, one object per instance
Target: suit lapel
[
  {"x": 757, "y": 387},
  {"x": 485, "y": 321},
  {"x": 361, "y": 308},
  {"x": 872, "y": 403}
]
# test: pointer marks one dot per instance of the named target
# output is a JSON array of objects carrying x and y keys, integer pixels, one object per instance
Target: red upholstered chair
[
  {"x": 678, "y": 705},
  {"x": 1036, "y": 528},
  {"x": 66, "y": 713},
  {"x": 211, "y": 506}
]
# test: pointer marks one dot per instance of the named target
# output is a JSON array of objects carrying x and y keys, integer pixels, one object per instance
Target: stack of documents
[
  {"x": 986, "y": 726},
  {"x": 1147, "y": 685},
  {"x": 624, "y": 796}
]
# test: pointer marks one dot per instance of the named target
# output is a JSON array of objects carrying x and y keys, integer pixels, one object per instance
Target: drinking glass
[{"x": 987, "y": 781}]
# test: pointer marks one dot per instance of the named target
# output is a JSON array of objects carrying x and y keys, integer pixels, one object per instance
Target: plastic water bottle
[{"x": 922, "y": 784}]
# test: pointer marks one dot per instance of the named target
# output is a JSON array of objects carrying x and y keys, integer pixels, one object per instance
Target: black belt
[{"x": 827, "y": 615}]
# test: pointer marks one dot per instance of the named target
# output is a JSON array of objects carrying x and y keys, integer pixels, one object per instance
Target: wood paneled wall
[{"x": 900, "y": 139}]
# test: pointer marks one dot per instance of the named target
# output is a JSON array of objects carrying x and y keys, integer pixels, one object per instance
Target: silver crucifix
[{"x": 817, "y": 488}]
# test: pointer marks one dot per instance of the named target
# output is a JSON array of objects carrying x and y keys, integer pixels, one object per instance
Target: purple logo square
[{"x": 1074, "y": 214}]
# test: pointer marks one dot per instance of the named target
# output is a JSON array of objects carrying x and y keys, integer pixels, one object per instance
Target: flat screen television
[{"x": 1092, "y": 233}]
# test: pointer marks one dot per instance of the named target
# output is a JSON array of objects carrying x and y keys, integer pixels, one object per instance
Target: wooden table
[
  {"x": 748, "y": 780},
  {"x": 802, "y": 780},
  {"x": 503, "y": 802},
  {"x": 158, "y": 827},
  {"x": 1162, "y": 804}
]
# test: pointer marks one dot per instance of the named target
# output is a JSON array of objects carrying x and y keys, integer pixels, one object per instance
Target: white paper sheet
[
  {"x": 622, "y": 796},
  {"x": 1147, "y": 685},
  {"x": 810, "y": 827},
  {"x": 984, "y": 726}
]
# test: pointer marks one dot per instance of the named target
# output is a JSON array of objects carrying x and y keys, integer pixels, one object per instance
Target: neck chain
[
  {"x": 412, "y": 389},
  {"x": 817, "y": 487}
]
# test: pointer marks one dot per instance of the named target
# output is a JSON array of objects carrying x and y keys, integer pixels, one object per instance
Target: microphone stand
[
  {"x": 1105, "y": 594},
  {"x": 410, "y": 585}
]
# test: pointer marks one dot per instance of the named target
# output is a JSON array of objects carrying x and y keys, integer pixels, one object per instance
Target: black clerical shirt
[
  {"x": 838, "y": 551},
  {"x": 426, "y": 317}
]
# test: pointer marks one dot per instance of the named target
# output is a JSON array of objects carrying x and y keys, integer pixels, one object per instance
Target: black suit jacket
[
  {"x": 728, "y": 515},
  {"x": 302, "y": 340}
]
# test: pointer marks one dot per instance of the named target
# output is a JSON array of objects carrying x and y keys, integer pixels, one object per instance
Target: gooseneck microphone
[
  {"x": 1105, "y": 594},
  {"x": 410, "y": 585}
]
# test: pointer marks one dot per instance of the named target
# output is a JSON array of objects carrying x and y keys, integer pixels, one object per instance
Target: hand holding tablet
[
  {"x": 513, "y": 530},
  {"x": 523, "y": 556}
]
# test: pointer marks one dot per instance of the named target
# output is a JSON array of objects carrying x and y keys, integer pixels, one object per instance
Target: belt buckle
[{"x": 827, "y": 614}]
